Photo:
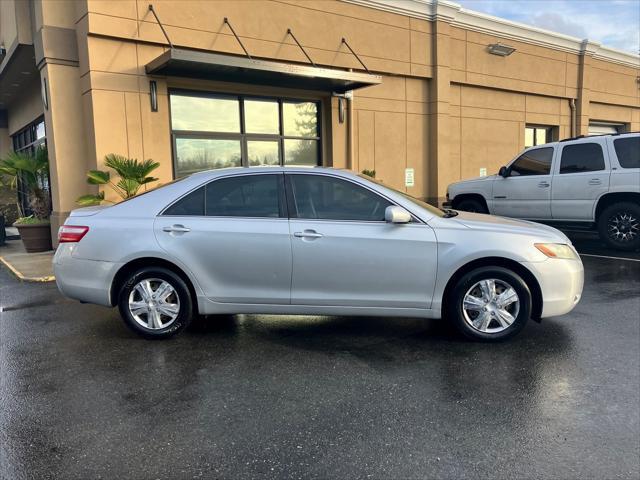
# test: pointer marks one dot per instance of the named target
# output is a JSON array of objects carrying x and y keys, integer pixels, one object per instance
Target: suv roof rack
[{"x": 598, "y": 135}]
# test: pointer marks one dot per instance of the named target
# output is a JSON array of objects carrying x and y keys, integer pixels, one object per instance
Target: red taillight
[{"x": 71, "y": 233}]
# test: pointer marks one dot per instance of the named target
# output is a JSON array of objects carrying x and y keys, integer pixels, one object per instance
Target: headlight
[{"x": 557, "y": 250}]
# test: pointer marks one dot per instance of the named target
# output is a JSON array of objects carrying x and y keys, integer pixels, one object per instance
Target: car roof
[{"x": 244, "y": 170}]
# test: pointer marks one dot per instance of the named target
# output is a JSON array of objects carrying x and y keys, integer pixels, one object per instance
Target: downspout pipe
[{"x": 574, "y": 118}]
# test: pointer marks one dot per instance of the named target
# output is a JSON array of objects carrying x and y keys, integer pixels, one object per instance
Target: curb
[{"x": 12, "y": 269}]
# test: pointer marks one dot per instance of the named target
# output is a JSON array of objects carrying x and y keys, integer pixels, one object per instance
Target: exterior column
[
  {"x": 584, "y": 93},
  {"x": 56, "y": 49},
  {"x": 439, "y": 123}
]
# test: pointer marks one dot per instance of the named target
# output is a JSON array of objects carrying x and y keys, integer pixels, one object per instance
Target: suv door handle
[
  {"x": 595, "y": 181},
  {"x": 543, "y": 184},
  {"x": 176, "y": 229},
  {"x": 308, "y": 234}
]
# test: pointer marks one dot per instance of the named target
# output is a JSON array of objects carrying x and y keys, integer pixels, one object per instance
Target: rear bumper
[
  {"x": 561, "y": 282},
  {"x": 85, "y": 280}
]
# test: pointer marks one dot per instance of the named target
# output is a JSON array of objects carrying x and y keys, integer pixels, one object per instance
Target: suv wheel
[
  {"x": 155, "y": 303},
  {"x": 490, "y": 304},
  {"x": 619, "y": 226},
  {"x": 471, "y": 205}
]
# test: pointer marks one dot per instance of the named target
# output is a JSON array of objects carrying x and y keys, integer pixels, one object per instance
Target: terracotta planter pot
[{"x": 36, "y": 238}]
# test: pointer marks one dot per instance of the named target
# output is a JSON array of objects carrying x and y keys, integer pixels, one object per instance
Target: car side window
[
  {"x": 330, "y": 198},
  {"x": 628, "y": 151},
  {"x": 582, "y": 157},
  {"x": 532, "y": 162},
  {"x": 189, "y": 205},
  {"x": 244, "y": 196}
]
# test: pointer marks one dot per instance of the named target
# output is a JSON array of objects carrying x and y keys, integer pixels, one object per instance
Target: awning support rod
[
  {"x": 355, "y": 55},
  {"x": 301, "y": 47},
  {"x": 160, "y": 23},
  {"x": 226, "y": 20}
]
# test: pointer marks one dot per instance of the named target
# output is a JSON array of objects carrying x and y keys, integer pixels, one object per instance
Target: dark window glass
[
  {"x": 533, "y": 162},
  {"x": 192, "y": 204},
  {"x": 628, "y": 151},
  {"x": 328, "y": 198},
  {"x": 244, "y": 196},
  {"x": 583, "y": 157}
]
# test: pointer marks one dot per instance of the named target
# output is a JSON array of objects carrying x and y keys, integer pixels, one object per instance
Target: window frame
[
  {"x": 282, "y": 203},
  {"x": 550, "y": 133},
  {"x": 529, "y": 150},
  {"x": 293, "y": 211},
  {"x": 243, "y": 136}
]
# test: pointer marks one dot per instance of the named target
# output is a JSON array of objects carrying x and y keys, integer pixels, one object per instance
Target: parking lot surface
[{"x": 320, "y": 397}]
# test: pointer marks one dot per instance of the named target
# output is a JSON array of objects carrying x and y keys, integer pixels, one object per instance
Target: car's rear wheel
[
  {"x": 490, "y": 304},
  {"x": 471, "y": 205},
  {"x": 619, "y": 226},
  {"x": 155, "y": 303}
]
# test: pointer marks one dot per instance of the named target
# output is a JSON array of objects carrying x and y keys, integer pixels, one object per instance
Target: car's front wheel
[
  {"x": 155, "y": 303},
  {"x": 489, "y": 304},
  {"x": 619, "y": 226}
]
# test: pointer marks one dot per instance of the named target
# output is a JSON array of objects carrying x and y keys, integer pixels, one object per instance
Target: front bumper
[
  {"x": 85, "y": 280},
  {"x": 561, "y": 282}
]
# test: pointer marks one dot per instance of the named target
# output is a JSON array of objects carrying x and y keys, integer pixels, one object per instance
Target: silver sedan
[{"x": 315, "y": 242}]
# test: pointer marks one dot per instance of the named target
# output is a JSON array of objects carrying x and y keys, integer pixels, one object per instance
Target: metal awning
[{"x": 231, "y": 68}]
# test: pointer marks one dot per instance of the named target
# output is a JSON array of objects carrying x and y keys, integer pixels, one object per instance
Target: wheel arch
[
  {"x": 611, "y": 198},
  {"x": 469, "y": 196},
  {"x": 521, "y": 270},
  {"x": 142, "y": 262}
]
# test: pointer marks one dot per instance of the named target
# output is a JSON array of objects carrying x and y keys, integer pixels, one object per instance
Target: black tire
[
  {"x": 618, "y": 220},
  {"x": 180, "y": 293},
  {"x": 471, "y": 205},
  {"x": 456, "y": 313}
]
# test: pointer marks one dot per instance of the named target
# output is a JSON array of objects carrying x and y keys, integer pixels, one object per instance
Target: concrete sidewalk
[{"x": 29, "y": 267}]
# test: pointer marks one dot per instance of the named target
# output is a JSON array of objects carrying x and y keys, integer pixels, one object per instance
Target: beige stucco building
[{"x": 441, "y": 99}]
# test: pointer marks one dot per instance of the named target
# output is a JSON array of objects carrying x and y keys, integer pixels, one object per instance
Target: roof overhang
[
  {"x": 17, "y": 69},
  {"x": 230, "y": 68}
]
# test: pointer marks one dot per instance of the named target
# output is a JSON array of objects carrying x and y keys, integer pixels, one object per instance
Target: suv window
[
  {"x": 628, "y": 151},
  {"x": 189, "y": 205},
  {"x": 244, "y": 196},
  {"x": 582, "y": 157},
  {"x": 532, "y": 162},
  {"x": 323, "y": 197}
]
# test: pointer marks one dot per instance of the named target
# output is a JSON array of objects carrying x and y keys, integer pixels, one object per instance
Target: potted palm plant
[
  {"x": 28, "y": 173},
  {"x": 133, "y": 176}
]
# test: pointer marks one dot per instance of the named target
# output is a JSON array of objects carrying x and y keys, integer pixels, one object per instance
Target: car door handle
[
  {"x": 176, "y": 229},
  {"x": 543, "y": 184},
  {"x": 595, "y": 181},
  {"x": 308, "y": 234}
]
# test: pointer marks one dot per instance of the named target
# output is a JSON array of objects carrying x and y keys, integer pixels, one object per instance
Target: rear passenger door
[
  {"x": 581, "y": 176},
  {"x": 233, "y": 235}
]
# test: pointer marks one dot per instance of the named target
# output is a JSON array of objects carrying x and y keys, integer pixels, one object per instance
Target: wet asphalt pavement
[{"x": 321, "y": 397}]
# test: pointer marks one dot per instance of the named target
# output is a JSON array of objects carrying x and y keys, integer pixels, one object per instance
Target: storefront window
[
  {"x": 215, "y": 131},
  {"x": 30, "y": 138}
]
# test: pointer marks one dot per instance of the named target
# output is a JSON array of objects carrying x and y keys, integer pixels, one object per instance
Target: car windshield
[{"x": 436, "y": 211}]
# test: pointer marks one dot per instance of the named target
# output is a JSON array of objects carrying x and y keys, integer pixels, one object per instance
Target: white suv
[{"x": 584, "y": 181}]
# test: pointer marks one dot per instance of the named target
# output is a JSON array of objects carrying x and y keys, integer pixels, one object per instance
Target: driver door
[
  {"x": 345, "y": 254},
  {"x": 526, "y": 191}
]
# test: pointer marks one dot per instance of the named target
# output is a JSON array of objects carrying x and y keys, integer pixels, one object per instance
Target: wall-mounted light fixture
[
  {"x": 153, "y": 95},
  {"x": 500, "y": 49},
  {"x": 44, "y": 93},
  {"x": 342, "y": 104}
]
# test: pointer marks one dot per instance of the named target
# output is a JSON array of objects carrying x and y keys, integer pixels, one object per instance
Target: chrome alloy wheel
[
  {"x": 154, "y": 303},
  {"x": 491, "y": 306},
  {"x": 623, "y": 227}
]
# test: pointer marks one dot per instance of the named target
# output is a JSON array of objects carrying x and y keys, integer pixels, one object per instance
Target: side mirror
[
  {"x": 503, "y": 172},
  {"x": 395, "y": 214}
]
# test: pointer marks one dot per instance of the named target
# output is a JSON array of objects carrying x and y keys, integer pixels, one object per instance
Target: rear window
[
  {"x": 628, "y": 151},
  {"x": 582, "y": 157}
]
